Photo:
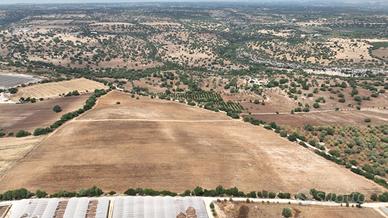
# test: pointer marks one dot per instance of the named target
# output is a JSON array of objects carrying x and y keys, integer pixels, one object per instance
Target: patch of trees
[
  {"x": 72, "y": 93},
  {"x": 16, "y": 194},
  {"x": 42, "y": 131},
  {"x": 207, "y": 99},
  {"x": 13, "y": 90},
  {"x": 354, "y": 197},
  {"x": 26, "y": 100},
  {"x": 22, "y": 133}
]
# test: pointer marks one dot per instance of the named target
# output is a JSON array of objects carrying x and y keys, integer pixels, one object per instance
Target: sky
[{"x": 115, "y": 1}]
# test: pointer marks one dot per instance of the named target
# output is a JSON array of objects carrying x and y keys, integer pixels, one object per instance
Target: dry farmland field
[
  {"x": 13, "y": 149},
  {"x": 167, "y": 145},
  {"x": 54, "y": 89},
  {"x": 251, "y": 210},
  {"x": 14, "y": 117}
]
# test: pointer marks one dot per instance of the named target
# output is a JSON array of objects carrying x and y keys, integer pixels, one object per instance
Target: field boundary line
[{"x": 153, "y": 120}]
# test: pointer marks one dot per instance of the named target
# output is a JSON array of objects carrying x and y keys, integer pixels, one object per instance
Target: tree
[
  {"x": 57, "y": 109},
  {"x": 42, "y": 131},
  {"x": 40, "y": 194},
  {"x": 22, "y": 133},
  {"x": 287, "y": 212}
]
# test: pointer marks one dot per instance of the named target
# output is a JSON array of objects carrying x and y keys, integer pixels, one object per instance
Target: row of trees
[
  {"x": 23, "y": 193},
  {"x": 219, "y": 191},
  {"x": 68, "y": 116}
]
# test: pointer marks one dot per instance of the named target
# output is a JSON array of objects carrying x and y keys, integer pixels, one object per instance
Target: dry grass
[
  {"x": 166, "y": 145},
  {"x": 13, "y": 149},
  {"x": 54, "y": 89},
  {"x": 16, "y": 117}
]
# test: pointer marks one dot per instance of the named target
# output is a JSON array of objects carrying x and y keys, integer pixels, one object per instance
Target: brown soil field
[
  {"x": 15, "y": 117},
  {"x": 54, "y": 89},
  {"x": 251, "y": 210},
  {"x": 381, "y": 53},
  {"x": 378, "y": 117},
  {"x": 167, "y": 145},
  {"x": 13, "y": 149}
]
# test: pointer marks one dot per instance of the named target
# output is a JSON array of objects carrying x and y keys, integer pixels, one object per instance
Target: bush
[
  {"x": 283, "y": 133},
  {"x": 22, "y": 133},
  {"x": 91, "y": 192},
  {"x": 271, "y": 194},
  {"x": 64, "y": 194},
  {"x": 40, "y": 194},
  {"x": 287, "y": 212},
  {"x": 284, "y": 195},
  {"x": 383, "y": 197},
  {"x": 301, "y": 196},
  {"x": 130, "y": 192},
  {"x": 233, "y": 115},
  {"x": 16, "y": 194},
  {"x": 292, "y": 137},
  {"x": 57, "y": 109},
  {"x": 42, "y": 131},
  {"x": 318, "y": 195}
]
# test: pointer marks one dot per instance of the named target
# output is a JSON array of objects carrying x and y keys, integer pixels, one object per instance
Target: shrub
[
  {"x": 301, "y": 196},
  {"x": 91, "y": 192},
  {"x": 64, "y": 194},
  {"x": 130, "y": 192},
  {"x": 40, "y": 194},
  {"x": 22, "y": 133},
  {"x": 284, "y": 195},
  {"x": 198, "y": 191},
  {"x": 57, "y": 109},
  {"x": 252, "y": 195},
  {"x": 271, "y": 195},
  {"x": 383, "y": 197},
  {"x": 283, "y": 133},
  {"x": 292, "y": 137},
  {"x": 16, "y": 194},
  {"x": 287, "y": 212},
  {"x": 318, "y": 195},
  {"x": 42, "y": 131}
]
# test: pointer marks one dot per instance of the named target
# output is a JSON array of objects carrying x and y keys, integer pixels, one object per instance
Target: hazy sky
[{"x": 115, "y": 1}]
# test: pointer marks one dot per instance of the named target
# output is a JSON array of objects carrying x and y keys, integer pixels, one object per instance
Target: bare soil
[
  {"x": 166, "y": 145},
  {"x": 15, "y": 117}
]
